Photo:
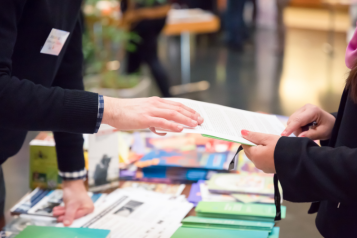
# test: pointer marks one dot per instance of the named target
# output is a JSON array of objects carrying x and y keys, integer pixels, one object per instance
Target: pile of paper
[{"x": 138, "y": 213}]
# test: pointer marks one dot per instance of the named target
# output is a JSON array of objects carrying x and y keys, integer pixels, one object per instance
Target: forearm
[
  {"x": 70, "y": 157},
  {"x": 310, "y": 173},
  {"x": 27, "y": 106}
]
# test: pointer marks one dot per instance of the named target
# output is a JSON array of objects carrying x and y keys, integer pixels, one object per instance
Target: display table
[{"x": 185, "y": 23}]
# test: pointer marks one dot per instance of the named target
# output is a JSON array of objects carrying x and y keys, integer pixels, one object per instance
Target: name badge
[{"x": 55, "y": 42}]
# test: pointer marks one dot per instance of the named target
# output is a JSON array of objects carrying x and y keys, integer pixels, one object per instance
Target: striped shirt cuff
[
  {"x": 73, "y": 175},
  {"x": 100, "y": 112}
]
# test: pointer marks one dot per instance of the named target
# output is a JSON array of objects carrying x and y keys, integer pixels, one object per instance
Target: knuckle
[{"x": 172, "y": 113}]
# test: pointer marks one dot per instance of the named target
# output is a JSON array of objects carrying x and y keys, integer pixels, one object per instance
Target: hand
[
  {"x": 307, "y": 114},
  {"x": 154, "y": 112},
  {"x": 76, "y": 200},
  {"x": 262, "y": 155}
]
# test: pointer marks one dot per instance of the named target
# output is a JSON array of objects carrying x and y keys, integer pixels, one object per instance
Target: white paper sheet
[{"x": 227, "y": 123}]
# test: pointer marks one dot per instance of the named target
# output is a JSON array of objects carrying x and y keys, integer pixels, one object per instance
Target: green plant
[{"x": 103, "y": 43}]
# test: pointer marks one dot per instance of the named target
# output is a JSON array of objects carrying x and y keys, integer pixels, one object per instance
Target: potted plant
[{"x": 103, "y": 47}]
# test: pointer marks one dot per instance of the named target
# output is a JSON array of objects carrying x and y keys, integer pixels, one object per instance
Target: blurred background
[{"x": 271, "y": 56}]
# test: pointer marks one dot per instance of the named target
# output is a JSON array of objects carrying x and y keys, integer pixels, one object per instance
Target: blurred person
[
  {"x": 235, "y": 25},
  {"x": 147, "y": 21},
  {"x": 41, "y": 89},
  {"x": 326, "y": 175},
  {"x": 207, "y": 5},
  {"x": 280, "y": 6}
]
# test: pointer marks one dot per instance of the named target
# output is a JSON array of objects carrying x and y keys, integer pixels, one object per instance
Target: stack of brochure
[
  {"x": 239, "y": 211},
  {"x": 231, "y": 219},
  {"x": 184, "y": 232}
]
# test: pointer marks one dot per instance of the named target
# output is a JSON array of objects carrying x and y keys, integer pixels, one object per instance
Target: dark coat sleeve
[
  {"x": 27, "y": 106},
  {"x": 69, "y": 146},
  {"x": 309, "y": 173}
]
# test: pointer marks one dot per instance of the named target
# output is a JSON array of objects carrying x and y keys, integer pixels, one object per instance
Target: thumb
[
  {"x": 312, "y": 134},
  {"x": 255, "y": 137},
  {"x": 71, "y": 210}
]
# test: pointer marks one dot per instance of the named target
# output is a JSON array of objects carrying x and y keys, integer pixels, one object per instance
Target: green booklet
[
  {"x": 184, "y": 232},
  {"x": 62, "y": 232},
  {"x": 216, "y": 223},
  {"x": 43, "y": 163},
  {"x": 239, "y": 211},
  {"x": 274, "y": 233}
]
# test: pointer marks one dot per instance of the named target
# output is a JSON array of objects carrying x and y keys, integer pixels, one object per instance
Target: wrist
[
  {"x": 74, "y": 184},
  {"x": 108, "y": 111}
]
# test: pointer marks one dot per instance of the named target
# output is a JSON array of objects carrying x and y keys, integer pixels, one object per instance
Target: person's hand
[
  {"x": 76, "y": 200},
  {"x": 262, "y": 155},
  {"x": 307, "y": 114},
  {"x": 154, "y": 113}
]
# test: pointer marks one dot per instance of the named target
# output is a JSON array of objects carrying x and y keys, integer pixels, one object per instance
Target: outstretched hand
[{"x": 154, "y": 113}]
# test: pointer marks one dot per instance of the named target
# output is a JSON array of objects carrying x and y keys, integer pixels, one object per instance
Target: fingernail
[
  {"x": 301, "y": 135},
  {"x": 179, "y": 128},
  {"x": 200, "y": 118},
  {"x": 194, "y": 122},
  {"x": 283, "y": 133},
  {"x": 66, "y": 223},
  {"x": 245, "y": 132}
]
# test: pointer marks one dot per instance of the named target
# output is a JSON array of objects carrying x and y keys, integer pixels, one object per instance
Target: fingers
[
  {"x": 179, "y": 107},
  {"x": 80, "y": 213},
  {"x": 299, "y": 119},
  {"x": 247, "y": 150},
  {"x": 58, "y": 211},
  {"x": 153, "y": 129},
  {"x": 164, "y": 124},
  {"x": 313, "y": 134},
  {"x": 255, "y": 137},
  {"x": 70, "y": 213},
  {"x": 175, "y": 116}
]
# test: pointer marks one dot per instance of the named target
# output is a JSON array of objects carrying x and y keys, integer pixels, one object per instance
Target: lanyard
[{"x": 277, "y": 197}]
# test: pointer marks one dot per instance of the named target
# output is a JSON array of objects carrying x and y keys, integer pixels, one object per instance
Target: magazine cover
[
  {"x": 41, "y": 202},
  {"x": 43, "y": 162},
  {"x": 103, "y": 159},
  {"x": 188, "y": 151}
]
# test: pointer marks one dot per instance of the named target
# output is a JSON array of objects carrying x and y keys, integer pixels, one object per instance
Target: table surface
[
  {"x": 192, "y": 27},
  {"x": 171, "y": 28}
]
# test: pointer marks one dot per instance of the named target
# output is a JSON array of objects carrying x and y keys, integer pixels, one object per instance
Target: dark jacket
[
  {"x": 327, "y": 175},
  {"x": 34, "y": 87}
]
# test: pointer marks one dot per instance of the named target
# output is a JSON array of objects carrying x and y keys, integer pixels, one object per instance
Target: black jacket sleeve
[
  {"x": 69, "y": 146},
  {"x": 309, "y": 173},
  {"x": 27, "y": 106}
]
